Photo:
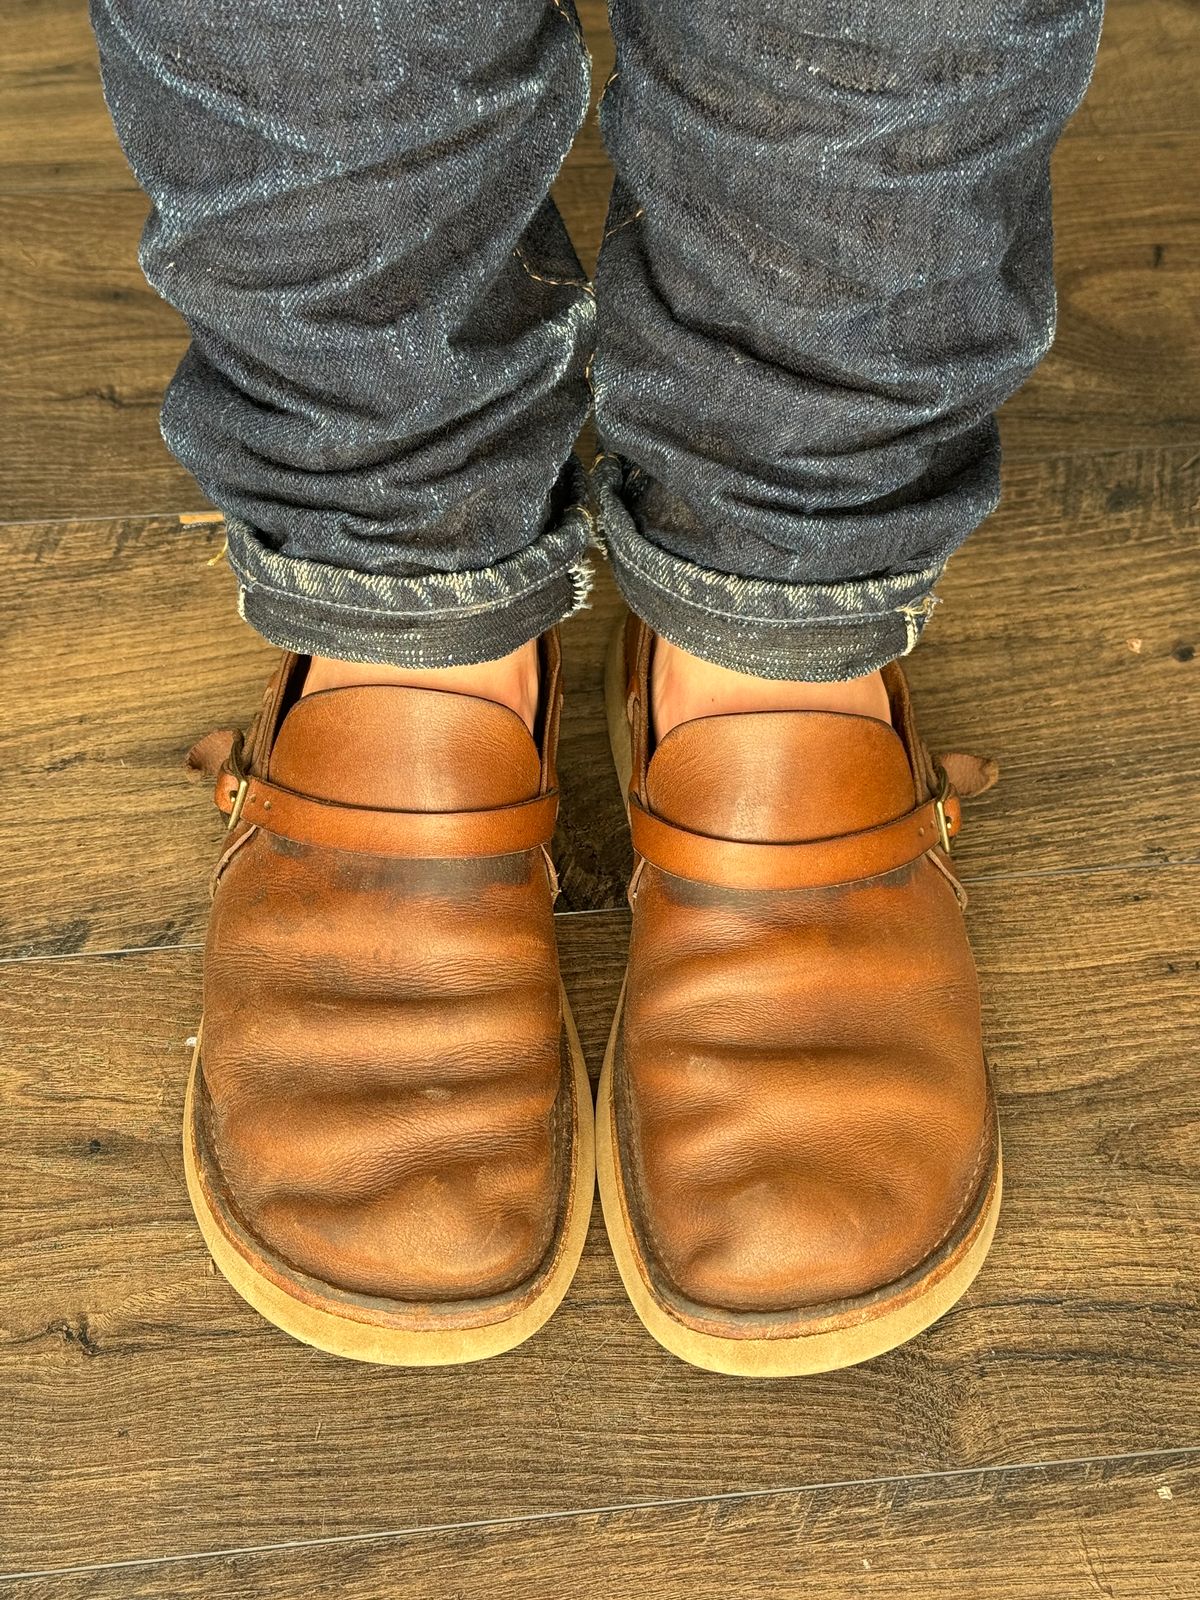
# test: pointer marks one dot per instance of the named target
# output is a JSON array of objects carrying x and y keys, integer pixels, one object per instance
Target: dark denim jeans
[{"x": 828, "y": 260}]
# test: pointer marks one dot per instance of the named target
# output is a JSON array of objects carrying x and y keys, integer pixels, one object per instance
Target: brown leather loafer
[
  {"x": 796, "y": 1139},
  {"x": 388, "y": 1140}
]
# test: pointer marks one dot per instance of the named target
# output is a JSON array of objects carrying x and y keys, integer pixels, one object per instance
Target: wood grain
[
  {"x": 1128, "y": 1529},
  {"x": 54, "y": 127},
  {"x": 86, "y": 350},
  {"x": 146, "y": 1411},
  {"x": 121, "y": 646},
  {"x": 1065, "y": 621},
  {"x": 1125, "y": 365}
]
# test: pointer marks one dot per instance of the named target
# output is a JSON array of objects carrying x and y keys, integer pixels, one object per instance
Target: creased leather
[
  {"x": 803, "y": 1102},
  {"x": 381, "y": 1046}
]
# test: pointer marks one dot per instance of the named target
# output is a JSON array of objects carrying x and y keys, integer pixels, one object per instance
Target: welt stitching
[{"x": 972, "y": 1181}]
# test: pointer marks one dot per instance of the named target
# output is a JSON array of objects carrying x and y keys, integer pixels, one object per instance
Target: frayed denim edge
[
  {"x": 818, "y": 632},
  {"x": 436, "y": 620}
]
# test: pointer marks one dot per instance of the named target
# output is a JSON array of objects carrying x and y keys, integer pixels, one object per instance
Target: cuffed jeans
[{"x": 827, "y": 261}]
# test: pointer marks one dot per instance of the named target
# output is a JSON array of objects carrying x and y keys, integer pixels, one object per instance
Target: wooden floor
[{"x": 1044, "y": 1440}]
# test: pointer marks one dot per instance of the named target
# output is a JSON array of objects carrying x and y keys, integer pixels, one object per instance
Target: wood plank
[
  {"x": 54, "y": 127},
  {"x": 86, "y": 350},
  {"x": 1145, "y": 71},
  {"x": 144, "y": 1410},
  {"x": 1129, "y": 1529},
  {"x": 1125, "y": 368},
  {"x": 1062, "y": 649},
  {"x": 122, "y": 647}
]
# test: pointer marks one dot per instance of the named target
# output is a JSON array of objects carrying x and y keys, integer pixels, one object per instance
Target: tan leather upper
[
  {"x": 802, "y": 1097},
  {"x": 381, "y": 1048}
]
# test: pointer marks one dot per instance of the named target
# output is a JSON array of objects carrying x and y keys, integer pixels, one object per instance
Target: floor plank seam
[
  {"x": 191, "y": 947},
  {"x": 1181, "y": 1453},
  {"x": 1095, "y": 870}
]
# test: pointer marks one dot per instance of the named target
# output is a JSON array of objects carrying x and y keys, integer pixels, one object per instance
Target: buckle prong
[
  {"x": 236, "y": 770},
  {"x": 239, "y": 800},
  {"x": 939, "y": 807}
]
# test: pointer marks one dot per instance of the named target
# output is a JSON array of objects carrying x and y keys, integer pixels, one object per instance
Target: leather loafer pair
[{"x": 389, "y": 1131}]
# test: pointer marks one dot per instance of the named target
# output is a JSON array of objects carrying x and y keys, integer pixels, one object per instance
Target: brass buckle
[
  {"x": 939, "y": 807},
  {"x": 236, "y": 770}
]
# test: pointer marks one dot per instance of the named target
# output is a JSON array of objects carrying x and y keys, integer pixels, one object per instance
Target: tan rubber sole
[
  {"x": 339, "y": 1332},
  {"x": 855, "y": 1335}
]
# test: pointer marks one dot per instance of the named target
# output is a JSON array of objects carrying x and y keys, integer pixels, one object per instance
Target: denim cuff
[
  {"x": 435, "y": 619},
  {"x": 818, "y": 632}
]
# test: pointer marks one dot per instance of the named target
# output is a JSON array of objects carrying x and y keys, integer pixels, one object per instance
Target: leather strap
[
  {"x": 809, "y": 864},
  {"x": 423, "y": 835}
]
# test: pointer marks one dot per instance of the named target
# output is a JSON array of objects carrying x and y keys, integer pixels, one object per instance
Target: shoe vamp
[
  {"x": 381, "y": 1059},
  {"x": 804, "y": 1096}
]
